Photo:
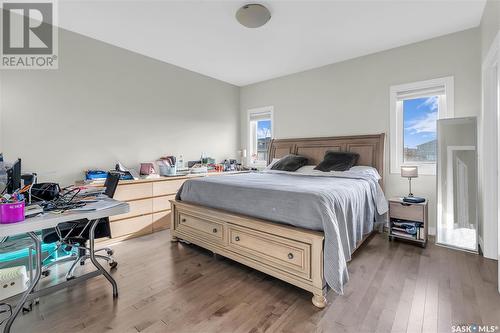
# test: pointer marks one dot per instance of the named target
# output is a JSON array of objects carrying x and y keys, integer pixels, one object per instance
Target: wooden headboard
[{"x": 369, "y": 147}]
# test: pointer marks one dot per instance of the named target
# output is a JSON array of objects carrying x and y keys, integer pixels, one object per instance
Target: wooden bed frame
[{"x": 292, "y": 254}]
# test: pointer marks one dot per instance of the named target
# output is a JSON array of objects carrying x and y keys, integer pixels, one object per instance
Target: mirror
[{"x": 457, "y": 180}]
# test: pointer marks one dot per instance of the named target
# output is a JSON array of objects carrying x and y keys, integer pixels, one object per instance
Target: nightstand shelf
[{"x": 408, "y": 221}]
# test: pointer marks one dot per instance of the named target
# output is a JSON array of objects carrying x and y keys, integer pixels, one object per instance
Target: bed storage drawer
[
  {"x": 289, "y": 255},
  {"x": 203, "y": 228}
]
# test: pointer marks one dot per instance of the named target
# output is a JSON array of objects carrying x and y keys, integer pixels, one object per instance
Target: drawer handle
[
  {"x": 237, "y": 238},
  {"x": 183, "y": 220},
  {"x": 214, "y": 230},
  {"x": 290, "y": 255}
]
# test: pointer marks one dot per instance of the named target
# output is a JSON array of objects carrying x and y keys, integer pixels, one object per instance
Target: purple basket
[{"x": 12, "y": 212}]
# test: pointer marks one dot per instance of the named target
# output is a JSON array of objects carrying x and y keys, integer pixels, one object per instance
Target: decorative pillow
[
  {"x": 337, "y": 161},
  {"x": 290, "y": 163},
  {"x": 273, "y": 162}
]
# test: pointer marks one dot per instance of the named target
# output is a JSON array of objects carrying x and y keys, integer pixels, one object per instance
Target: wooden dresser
[{"x": 149, "y": 201}]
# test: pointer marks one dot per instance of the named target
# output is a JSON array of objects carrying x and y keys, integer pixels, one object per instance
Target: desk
[{"x": 50, "y": 220}]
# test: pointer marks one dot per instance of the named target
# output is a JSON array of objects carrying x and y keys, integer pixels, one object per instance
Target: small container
[
  {"x": 12, "y": 212},
  {"x": 166, "y": 170}
]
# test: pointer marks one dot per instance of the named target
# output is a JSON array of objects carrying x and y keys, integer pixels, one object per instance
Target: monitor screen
[{"x": 14, "y": 177}]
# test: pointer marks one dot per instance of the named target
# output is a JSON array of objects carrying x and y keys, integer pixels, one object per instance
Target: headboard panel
[{"x": 369, "y": 147}]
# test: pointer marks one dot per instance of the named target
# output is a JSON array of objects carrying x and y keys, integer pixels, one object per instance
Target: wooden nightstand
[{"x": 408, "y": 221}]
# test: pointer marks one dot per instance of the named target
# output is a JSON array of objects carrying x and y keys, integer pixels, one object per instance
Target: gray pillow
[
  {"x": 337, "y": 161},
  {"x": 290, "y": 163}
]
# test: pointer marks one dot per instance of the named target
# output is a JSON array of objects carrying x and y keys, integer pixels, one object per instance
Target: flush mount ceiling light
[{"x": 253, "y": 15}]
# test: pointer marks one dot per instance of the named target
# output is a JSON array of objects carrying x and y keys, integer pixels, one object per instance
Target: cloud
[
  {"x": 432, "y": 102},
  {"x": 263, "y": 132},
  {"x": 426, "y": 124}
]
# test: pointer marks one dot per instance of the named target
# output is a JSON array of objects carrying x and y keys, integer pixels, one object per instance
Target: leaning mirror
[{"x": 457, "y": 221}]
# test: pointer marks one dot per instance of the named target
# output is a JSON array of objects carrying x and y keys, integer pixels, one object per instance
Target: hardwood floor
[{"x": 174, "y": 287}]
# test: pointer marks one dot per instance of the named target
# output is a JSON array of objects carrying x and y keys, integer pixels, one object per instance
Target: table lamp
[
  {"x": 410, "y": 172},
  {"x": 243, "y": 155}
]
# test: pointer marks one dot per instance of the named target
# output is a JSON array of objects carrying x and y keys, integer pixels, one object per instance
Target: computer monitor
[{"x": 14, "y": 177}]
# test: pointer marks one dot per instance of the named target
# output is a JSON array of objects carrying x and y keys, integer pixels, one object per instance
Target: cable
[
  {"x": 9, "y": 309},
  {"x": 65, "y": 201}
]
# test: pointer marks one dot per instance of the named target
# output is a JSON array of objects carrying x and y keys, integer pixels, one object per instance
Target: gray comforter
[{"x": 343, "y": 205}]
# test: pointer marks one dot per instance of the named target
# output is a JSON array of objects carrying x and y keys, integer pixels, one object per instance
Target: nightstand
[{"x": 408, "y": 221}]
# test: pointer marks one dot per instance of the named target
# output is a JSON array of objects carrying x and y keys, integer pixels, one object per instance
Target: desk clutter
[{"x": 36, "y": 199}]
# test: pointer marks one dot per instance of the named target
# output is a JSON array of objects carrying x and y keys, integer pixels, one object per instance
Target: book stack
[{"x": 407, "y": 229}]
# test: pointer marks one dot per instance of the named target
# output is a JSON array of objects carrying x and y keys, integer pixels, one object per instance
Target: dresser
[{"x": 149, "y": 201}]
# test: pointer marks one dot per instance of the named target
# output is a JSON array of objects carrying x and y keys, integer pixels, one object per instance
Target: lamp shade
[{"x": 409, "y": 171}]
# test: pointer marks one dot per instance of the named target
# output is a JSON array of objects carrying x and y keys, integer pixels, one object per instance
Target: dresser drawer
[
  {"x": 406, "y": 212},
  {"x": 162, "y": 203},
  {"x": 167, "y": 187},
  {"x": 134, "y": 225},
  {"x": 289, "y": 255},
  {"x": 137, "y": 207},
  {"x": 133, "y": 191},
  {"x": 208, "y": 230}
]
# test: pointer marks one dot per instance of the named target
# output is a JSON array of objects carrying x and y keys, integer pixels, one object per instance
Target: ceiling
[{"x": 204, "y": 36}]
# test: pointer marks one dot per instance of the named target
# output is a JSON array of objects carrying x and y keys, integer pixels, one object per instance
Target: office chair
[{"x": 75, "y": 235}]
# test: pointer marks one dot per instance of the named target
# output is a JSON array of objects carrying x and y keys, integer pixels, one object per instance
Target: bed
[{"x": 299, "y": 227}]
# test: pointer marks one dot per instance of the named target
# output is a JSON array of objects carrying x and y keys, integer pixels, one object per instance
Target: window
[
  {"x": 260, "y": 133},
  {"x": 415, "y": 109}
]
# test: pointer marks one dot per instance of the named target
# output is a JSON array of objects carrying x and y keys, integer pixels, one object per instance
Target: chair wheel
[
  {"x": 113, "y": 264},
  {"x": 68, "y": 278},
  {"x": 82, "y": 263},
  {"x": 110, "y": 252},
  {"x": 46, "y": 273}
]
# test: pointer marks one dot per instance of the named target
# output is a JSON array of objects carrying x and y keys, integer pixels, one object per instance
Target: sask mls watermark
[{"x": 29, "y": 35}]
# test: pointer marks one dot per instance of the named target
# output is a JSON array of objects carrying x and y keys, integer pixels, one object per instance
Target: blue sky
[
  {"x": 419, "y": 117},
  {"x": 263, "y": 129}
]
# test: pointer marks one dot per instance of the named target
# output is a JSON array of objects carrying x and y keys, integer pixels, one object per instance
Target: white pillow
[{"x": 366, "y": 170}]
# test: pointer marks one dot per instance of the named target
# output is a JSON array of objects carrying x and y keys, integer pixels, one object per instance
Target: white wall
[
  {"x": 352, "y": 97},
  {"x": 488, "y": 129},
  {"x": 105, "y": 104},
  {"x": 490, "y": 25}
]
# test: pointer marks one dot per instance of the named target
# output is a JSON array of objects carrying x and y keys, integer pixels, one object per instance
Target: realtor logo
[{"x": 29, "y": 38}]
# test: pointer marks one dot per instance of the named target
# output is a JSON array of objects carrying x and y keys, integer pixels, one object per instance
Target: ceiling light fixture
[{"x": 253, "y": 15}]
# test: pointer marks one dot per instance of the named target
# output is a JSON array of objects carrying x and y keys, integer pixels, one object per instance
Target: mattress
[{"x": 344, "y": 205}]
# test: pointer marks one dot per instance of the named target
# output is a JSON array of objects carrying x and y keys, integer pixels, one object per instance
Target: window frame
[
  {"x": 445, "y": 110},
  {"x": 265, "y": 109}
]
